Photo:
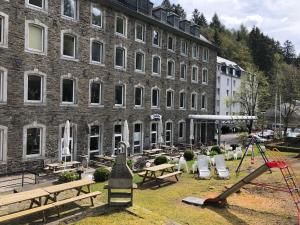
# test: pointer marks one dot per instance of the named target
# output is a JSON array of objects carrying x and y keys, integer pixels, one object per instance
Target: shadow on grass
[
  {"x": 154, "y": 185},
  {"x": 226, "y": 214}
]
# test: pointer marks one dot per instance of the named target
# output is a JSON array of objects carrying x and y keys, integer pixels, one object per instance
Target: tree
[
  {"x": 217, "y": 38},
  {"x": 196, "y": 17},
  {"x": 289, "y": 52},
  {"x": 253, "y": 86},
  {"x": 166, "y": 4},
  {"x": 178, "y": 10},
  {"x": 215, "y": 22},
  {"x": 203, "y": 21}
]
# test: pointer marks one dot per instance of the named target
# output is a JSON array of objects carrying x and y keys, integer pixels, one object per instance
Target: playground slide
[{"x": 221, "y": 199}]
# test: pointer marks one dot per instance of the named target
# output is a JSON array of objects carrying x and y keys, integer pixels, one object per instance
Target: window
[
  {"x": 219, "y": 80},
  {"x": 139, "y": 62},
  {"x": 194, "y": 74},
  {"x": 205, "y": 55},
  {"x": 227, "y": 81},
  {"x": 170, "y": 99},
  {"x": 120, "y": 58},
  {"x": 67, "y": 157},
  {"x": 119, "y": 95},
  {"x": 34, "y": 88},
  {"x": 96, "y": 16},
  {"x": 94, "y": 140},
  {"x": 204, "y": 76},
  {"x": 155, "y": 98},
  {"x": 37, "y": 4},
  {"x": 3, "y": 30},
  {"x": 227, "y": 92},
  {"x": 118, "y": 137},
  {"x": 69, "y": 45},
  {"x": 139, "y": 32},
  {"x": 171, "y": 69},
  {"x": 97, "y": 53},
  {"x": 36, "y": 37},
  {"x": 233, "y": 83},
  {"x": 68, "y": 91},
  {"x": 182, "y": 100},
  {"x": 137, "y": 137},
  {"x": 169, "y": 133},
  {"x": 34, "y": 140},
  {"x": 138, "y": 96},
  {"x": 69, "y": 9},
  {"x": 156, "y": 38},
  {"x": 218, "y": 91},
  {"x": 154, "y": 134},
  {"x": 3, "y": 85},
  {"x": 95, "y": 93},
  {"x": 184, "y": 48},
  {"x": 171, "y": 43},
  {"x": 121, "y": 25},
  {"x": 3, "y": 143},
  {"x": 194, "y": 100},
  {"x": 183, "y": 71},
  {"x": 195, "y": 51},
  {"x": 203, "y": 101},
  {"x": 156, "y": 65},
  {"x": 181, "y": 129}
]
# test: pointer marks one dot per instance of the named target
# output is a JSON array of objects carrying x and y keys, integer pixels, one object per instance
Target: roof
[
  {"x": 221, "y": 117},
  {"x": 228, "y": 63}
]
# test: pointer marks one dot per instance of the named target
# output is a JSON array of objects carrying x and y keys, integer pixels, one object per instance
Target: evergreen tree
[
  {"x": 179, "y": 11},
  {"x": 215, "y": 22},
  {"x": 196, "y": 17},
  {"x": 289, "y": 52},
  {"x": 202, "y": 21},
  {"x": 217, "y": 38}
]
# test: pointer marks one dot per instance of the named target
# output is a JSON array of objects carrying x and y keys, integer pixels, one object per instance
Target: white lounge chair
[
  {"x": 203, "y": 167},
  {"x": 221, "y": 169}
]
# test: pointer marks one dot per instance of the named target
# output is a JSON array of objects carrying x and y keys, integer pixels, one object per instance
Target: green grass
[{"x": 163, "y": 205}]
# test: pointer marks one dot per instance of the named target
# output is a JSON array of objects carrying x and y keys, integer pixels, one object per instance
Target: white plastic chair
[
  {"x": 182, "y": 164},
  {"x": 203, "y": 167},
  {"x": 221, "y": 168}
]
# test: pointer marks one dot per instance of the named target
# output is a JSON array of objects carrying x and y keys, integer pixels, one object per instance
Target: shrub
[
  {"x": 67, "y": 176},
  {"x": 213, "y": 153},
  {"x": 216, "y": 148},
  {"x": 101, "y": 174},
  {"x": 188, "y": 155},
  {"x": 160, "y": 160},
  {"x": 130, "y": 163},
  {"x": 234, "y": 146}
]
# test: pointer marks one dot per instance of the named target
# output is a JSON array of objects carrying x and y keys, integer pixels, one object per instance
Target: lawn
[{"x": 163, "y": 205}]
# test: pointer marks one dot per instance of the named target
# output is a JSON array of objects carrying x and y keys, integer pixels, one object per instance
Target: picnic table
[
  {"x": 150, "y": 173},
  {"x": 35, "y": 196},
  {"x": 103, "y": 157},
  {"x": 66, "y": 166},
  {"x": 152, "y": 151},
  {"x": 55, "y": 190}
]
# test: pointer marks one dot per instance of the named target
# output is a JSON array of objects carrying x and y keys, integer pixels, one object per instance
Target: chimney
[
  {"x": 185, "y": 25},
  {"x": 144, "y": 6},
  {"x": 160, "y": 13},
  {"x": 195, "y": 30},
  {"x": 173, "y": 20}
]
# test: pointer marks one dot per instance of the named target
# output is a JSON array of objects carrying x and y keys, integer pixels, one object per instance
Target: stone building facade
[{"x": 97, "y": 64}]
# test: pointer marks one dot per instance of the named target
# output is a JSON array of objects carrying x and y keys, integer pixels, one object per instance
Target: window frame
[
  {"x": 100, "y": 138},
  {"x": 197, "y": 74},
  {"x": 75, "y": 82},
  {"x": 124, "y": 67},
  {"x": 171, "y": 132},
  {"x": 135, "y": 32},
  {"x": 42, "y": 140},
  {"x": 44, "y": 8},
  {"x": 43, "y": 96},
  {"x": 102, "y": 57},
  {"x": 142, "y": 97},
  {"x": 203, "y": 103},
  {"x": 195, "y": 46},
  {"x": 205, "y": 82},
  {"x": 95, "y": 5},
  {"x": 100, "y": 104},
  {"x": 5, "y": 29},
  {"x": 172, "y": 98},
  {"x": 3, "y": 88},
  {"x": 75, "y": 48},
  {"x": 159, "y": 38},
  {"x": 3, "y": 144},
  {"x": 157, "y": 97},
  {"x": 76, "y": 11},
  {"x": 141, "y": 145},
  {"x": 38, "y": 24},
  {"x": 173, "y": 49},
  {"x": 123, "y": 105},
  {"x": 184, "y": 100},
  {"x": 196, "y": 100},
  {"x": 143, "y": 61},
  {"x": 125, "y": 19},
  {"x": 205, "y": 56},
  {"x": 186, "y": 48},
  {"x": 154, "y": 73},
  {"x": 185, "y": 77},
  {"x": 117, "y": 135},
  {"x": 183, "y": 130},
  {"x": 172, "y": 76}
]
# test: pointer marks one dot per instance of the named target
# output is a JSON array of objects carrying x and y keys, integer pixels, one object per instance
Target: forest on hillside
[{"x": 276, "y": 66}]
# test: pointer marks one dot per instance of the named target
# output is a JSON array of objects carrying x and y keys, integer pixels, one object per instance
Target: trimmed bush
[
  {"x": 160, "y": 160},
  {"x": 213, "y": 153},
  {"x": 67, "y": 176},
  {"x": 188, "y": 155},
  {"x": 216, "y": 148},
  {"x": 101, "y": 174}
]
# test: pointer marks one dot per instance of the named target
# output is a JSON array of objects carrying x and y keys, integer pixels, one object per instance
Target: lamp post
[{"x": 263, "y": 122}]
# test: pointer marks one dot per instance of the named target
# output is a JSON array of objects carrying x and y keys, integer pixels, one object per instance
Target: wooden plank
[
  {"x": 22, "y": 196},
  {"x": 169, "y": 175},
  {"x": 68, "y": 186},
  {"x": 160, "y": 167},
  {"x": 77, "y": 198},
  {"x": 141, "y": 174}
]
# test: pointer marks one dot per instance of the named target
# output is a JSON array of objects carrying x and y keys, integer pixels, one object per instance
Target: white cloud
[{"x": 276, "y": 18}]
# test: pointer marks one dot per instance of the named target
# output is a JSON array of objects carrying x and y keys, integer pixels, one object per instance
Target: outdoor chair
[
  {"x": 203, "y": 167},
  {"x": 221, "y": 169}
]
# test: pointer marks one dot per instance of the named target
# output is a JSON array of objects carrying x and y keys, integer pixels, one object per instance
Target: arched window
[
  {"x": 156, "y": 65},
  {"x": 155, "y": 97},
  {"x": 36, "y": 37}
]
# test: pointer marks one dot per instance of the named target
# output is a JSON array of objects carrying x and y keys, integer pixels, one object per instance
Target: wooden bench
[
  {"x": 169, "y": 175},
  {"x": 43, "y": 208},
  {"x": 141, "y": 174},
  {"x": 64, "y": 170}
]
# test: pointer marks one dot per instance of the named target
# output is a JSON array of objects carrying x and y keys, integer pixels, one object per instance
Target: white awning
[{"x": 221, "y": 117}]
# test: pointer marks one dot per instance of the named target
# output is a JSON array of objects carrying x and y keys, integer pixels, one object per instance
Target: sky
[{"x": 279, "y": 19}]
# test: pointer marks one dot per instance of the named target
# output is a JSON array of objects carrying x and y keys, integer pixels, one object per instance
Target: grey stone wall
[{"x": 15, "y": 115}]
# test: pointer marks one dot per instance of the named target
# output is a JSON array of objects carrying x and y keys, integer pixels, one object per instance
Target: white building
[{"x": 228, "y": 85}]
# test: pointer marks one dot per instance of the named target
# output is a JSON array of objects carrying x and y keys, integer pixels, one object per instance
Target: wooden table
[
  {"x": 163, "y": 168},
  {"x": 55, "y": 167},
  {"x": 55, "y": 190},
  {"x": 102, "y": 157},
  {"x": 152, "y": 151},
  {"x": 35, "y": 196}
]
